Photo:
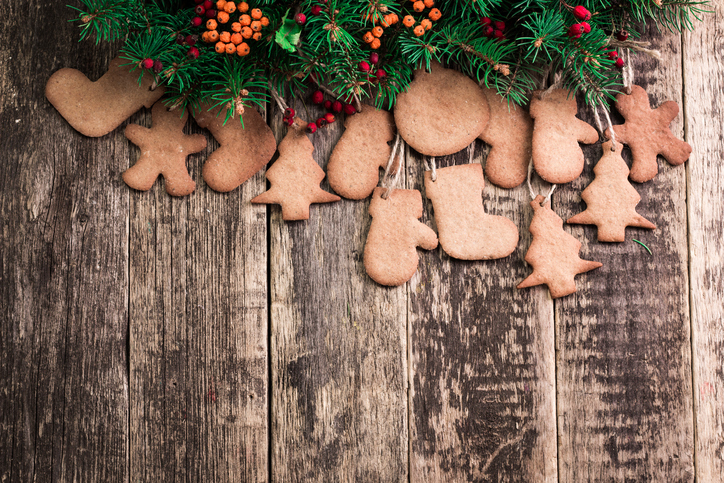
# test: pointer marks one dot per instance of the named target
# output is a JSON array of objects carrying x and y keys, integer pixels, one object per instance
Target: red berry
[
  {"x": 147, "y": 63},
  {"x": 329, "y": 117},
  {"x": 575, "y": 30},
  {"x": 193, "y": 53},
  {"x": 318, "y": 97},
  {"x": 288, "y": 121},
  {"x": 485, "y": 21},
  {"x": 349, "y": 109},
  {"x": 380, "y": 74},
  {"x": 311, "y": 128},
  {"x": 613, "y": 55},
  {"x": 157, "y": 66},
  {"x": 300, "y": 18},
  {"x": 316, "y": 9},
  {"x": 191, "y": 40},
  {"x": 180, "y": 39},
  {"x": 208, "y": 4},
  {"x": 200, "y": 10},
  {"x": 196, "y": 21},
  {"x": 328, "y": 104},
  {"x": 211, "y": 13},
  {"x": 289, "y": 112},
  {"x": 621, "y": 35},
  {"x": 374, "y": 57},
  {"x": 619, "y": 62},
  {"x": 498, "y": 34},
  {"x": 498, "y": 25},
  {"x": 364, "y": 66},
  {"x": 581, "y": 13},
  {"x": 321, "y": 122},
  {"x": 337, "y": 106},
  {"x": 586, "y": 27},
  {"x": 488, "y": 31}
]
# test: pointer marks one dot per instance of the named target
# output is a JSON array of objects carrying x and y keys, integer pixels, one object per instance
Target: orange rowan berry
[
  {"x": 211, "y": 24},
  {"x": 429, "y": 3},
  {"x": 408, "y": 21},
  {"x": 368, "y": 37},
  {"x": 222, "y": 17},
  {"x": 213, "y": 36},
  {"x": 205, "y": 37},
  {"x": 426, "y": 24},
  {"x": 236, "y": 27},
  {"x": 434, "y": 14},
  {"x": 225, "y": 37},
  {"x": 237, "y": 38},
  {"x": 375, "y": 44},
  {"x": 243, "y": 7},
  {"x": 264, "y": 21},
  {"x": 242, "y": 49},
  {"x": 256, "y": 26},
  {"x": 418, "y": 6},
  {"x": 385, "y": 21},
  {"x": 419, "y": 30},
  {"x": 230, "y": 48},
  {"x": 244, "y": 20},
  {"x": 220, "y": 47},
  {"x": 378, "y": 31},
  {"x": 393, "y": 18},
  {"x": 230, "y": 7},
  {"x": 256, "y": 36},
  {"x": 256, "y": 14},
  {"x": 246, "y": 32},
  {"x": 220, "y": 4}
]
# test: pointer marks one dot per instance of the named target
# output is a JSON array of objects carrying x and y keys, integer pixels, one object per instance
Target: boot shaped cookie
[
  {"x": 243, "y": 151},
  {"x": 295, "y": 177},
  {"x": 610, "y": 199},
  {"x": 354, "y": 166},
  {"x": 164, "y": 148},
  {"x": 390, "y": 255},
  {"x": 510, "y": 135},
  {"x": 557, "y": 157},
  {"x": 647, "y": 133},
  {"x": 465, "y": 230},
  {"x": 442, "y": 112},
  {"x": 553, "y": 253},
  {"x": 97, "y": 108}
]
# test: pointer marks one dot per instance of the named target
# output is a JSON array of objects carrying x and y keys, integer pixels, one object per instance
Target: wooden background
[{"x": 147, "y": 338}]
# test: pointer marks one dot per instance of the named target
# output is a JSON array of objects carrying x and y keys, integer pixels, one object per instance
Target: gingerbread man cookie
[
  {"x": 557, "y": 157},
  {"x": 164, "y": 148},
  {"x": 646, "y": 131},
  {"x": 390, "y": 255},
  {"x": 354, "y": 166},
  {"x": 97, "y": 108}
]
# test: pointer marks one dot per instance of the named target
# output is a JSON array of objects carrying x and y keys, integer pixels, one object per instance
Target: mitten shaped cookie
[
  {"x": 164, "y": 148},
  {"x": 295, "y": 177},
  {"x": 610, "y": 199},
  {"x": 465, "y": 230},
  {"x": 390, "y": 255},
  {"x": 557, "y": 157},
  {"x": 442, "y": 112},
  {"x": 510, "y": 135},
  {"x": 96, "y": 108},
  {"x": 553, "y": 253},
  {"x": 354, "y": 166},
  {"x": 646, "y": 131},
  {"x": 244, "y": 149}
]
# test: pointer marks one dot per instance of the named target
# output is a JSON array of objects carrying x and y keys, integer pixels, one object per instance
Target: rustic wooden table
[{"x": 146, "y": 338}]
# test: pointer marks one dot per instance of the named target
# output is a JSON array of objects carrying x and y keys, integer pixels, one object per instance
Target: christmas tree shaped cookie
[
  {"x": 610, "y": 199},
  {"x": 97, "y": 108},
  {"x": 557, "y": 157},
  {"x": 295, "y": 177},
  {"x": 465, "y": 230},
  {"x": 164, "y": 148},
  {"x": 646, "y": 131},
  {"x": 354, "y": 166},
  {"x": 553, "y": 253},
  {"x": 390, "y": 255}
]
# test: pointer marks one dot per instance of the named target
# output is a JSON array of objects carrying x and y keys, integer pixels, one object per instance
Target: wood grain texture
[
  {"x": 623, "y": 340},
  {"x": 703, "y": 92},
  {"x": 338, "y": 345},
  {"x": 63, "y": 267},
  {"x": 198, "y": 322},
  {"x": 482, "y": 359}
]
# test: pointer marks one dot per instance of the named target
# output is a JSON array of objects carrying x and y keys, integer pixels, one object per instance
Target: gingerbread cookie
[
  {"x": 164, "y": 148},
  {"x": 510, "y": 135},
  {"x": 557, "y": 157},
  {"x": 354, "y": 166},
  {"x": 295, "y": 177},
  {"x": 96, "y": 108},
  {"x": 646, "y": 131},
  {"x": 390, "y": 255},
  {"x": 610, "y": 199},
  {"x": 244, "y": 149},
  {"x": 442, "y": 112},
  {"x": 465, "y": 230},
  {"x": 553, "y": 253}
]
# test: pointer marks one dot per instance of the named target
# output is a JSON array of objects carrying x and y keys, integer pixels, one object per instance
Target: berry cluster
[
  {"x": 368, "y": 67},
  {"x": 190, "y": 41},
  {"x": 372, "y": 37},
  {"x": 246, "y": 26},
  {"x": 332, "y": 107},
  {"x": 425, "y": 24},
  {"x": 493, "y": 29},
  {"x": 149, "y": 63},
  {"x": 577, "y": 29},
  {"x": 613, "y": 55}
]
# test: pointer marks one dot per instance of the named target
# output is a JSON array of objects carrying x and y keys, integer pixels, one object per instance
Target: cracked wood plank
[
  {"x": 703, "y": 91},
  {"x": 63, "y": 267},
  {"x": 482, "y": 361},
  {"x": 338, "y": 347},
  {"x": 625, "y": 408}
]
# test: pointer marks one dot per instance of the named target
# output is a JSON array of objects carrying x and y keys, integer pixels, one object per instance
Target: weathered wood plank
[
  {"x": 624, "y": 375},
  {"x": 703, "y": 91},
  {"x": 338, "y": 347},
  {"x": 482, "y": 359},
  {"x": 63, "y": 267},
  {"x": 198, "y": 333}
]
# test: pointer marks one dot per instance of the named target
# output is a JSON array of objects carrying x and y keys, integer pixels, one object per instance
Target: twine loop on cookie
[
  {"x": 431, "y": 166},
  {"x": 389, "y": 180},
  {"x": 601, "y": 129},
  {"x": 530, "y": 186}
]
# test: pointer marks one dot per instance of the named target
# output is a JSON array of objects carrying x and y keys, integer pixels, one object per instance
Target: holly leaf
[{"x": 288, "y": 34}]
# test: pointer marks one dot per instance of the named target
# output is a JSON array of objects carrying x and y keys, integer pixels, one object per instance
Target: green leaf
[{"x": 288, "y": 34}]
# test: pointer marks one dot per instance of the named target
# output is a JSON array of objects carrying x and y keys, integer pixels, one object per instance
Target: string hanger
[
  {"x": 530, "y": 186},
  {"x": 390, "y": 179}
]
